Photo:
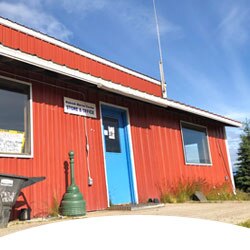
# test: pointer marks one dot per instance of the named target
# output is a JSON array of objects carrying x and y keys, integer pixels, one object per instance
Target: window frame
[
  {"x": 23, "y": 155},
  {"x": 196, "y": 127}
]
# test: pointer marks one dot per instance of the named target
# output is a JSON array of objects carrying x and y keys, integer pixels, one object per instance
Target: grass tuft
[
  {"x": 184, "y": 192},
  {"x": 55, "y": 207},
  {"x": 245, "y": 224}
]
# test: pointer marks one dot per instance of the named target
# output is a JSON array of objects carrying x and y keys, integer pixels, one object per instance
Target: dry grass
[
  {"x": 245, "y": 224},
  {"x": 184, "y": 191}
]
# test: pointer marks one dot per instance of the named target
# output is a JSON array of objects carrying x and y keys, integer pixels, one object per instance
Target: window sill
[
  {"x": 23, "y": 156},
  {"x": 199, "y": 164}
]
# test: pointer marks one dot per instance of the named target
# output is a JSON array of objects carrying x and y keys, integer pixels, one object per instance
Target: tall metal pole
[{"x": 163, "y": 83}]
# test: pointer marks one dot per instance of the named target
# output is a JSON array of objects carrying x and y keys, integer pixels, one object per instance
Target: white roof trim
[
  {"x": 203, "y": 113},
  {"x": 110, "y": 86},
  {"x": 66, "y": 46}
]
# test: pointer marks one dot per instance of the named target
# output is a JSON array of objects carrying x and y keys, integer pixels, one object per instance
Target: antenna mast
[{"x": 163, "y": 83}]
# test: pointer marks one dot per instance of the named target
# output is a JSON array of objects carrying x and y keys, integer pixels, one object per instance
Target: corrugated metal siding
[
  {"x": 55, "y": 134},
  {"x": 156, "y": 136},
  {"x": 158, "y": 151},
  {"x": 60, "y": 133},
  {"x": 34, "y": 46},
  {"x": 158, "y": 148}
]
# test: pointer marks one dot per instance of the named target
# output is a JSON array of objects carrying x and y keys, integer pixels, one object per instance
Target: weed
[
  {"x": 54, "y": 209},
  {"x": 168, "y": 198},
  {"x": 222, "y": 193},
  {"x": 242, "y": 196},
  {"x": 245, "y": 224},
  {"x": 184, "y": 191}
]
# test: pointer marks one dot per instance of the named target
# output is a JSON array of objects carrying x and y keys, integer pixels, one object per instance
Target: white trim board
[
  {"x": 71, "y": 48},
  {"x": 229, "y": 162},
  {"x": 110, "y": 86}
]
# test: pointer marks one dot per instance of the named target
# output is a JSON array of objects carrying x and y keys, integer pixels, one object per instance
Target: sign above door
[{"x": 76, "y": 107}]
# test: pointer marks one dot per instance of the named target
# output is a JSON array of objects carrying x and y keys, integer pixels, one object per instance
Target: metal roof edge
[
  {"x": 203, "y": 113},
  {"x": 110, "y": 86},
  {"x": 76, "y": 50}
]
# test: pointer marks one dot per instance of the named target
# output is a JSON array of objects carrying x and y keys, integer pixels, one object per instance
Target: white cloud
[
  {"x": 233, "y": 34},
  {"x": 238, "y": 115},
  {"x": 34, "y": 17},
  {"x": 198, "y": 82},
  {"x": 133, "y": 16},
  {"x": 142, "y": 19},
  {"x": 234, "y": 27},
  {"x": 83, "y": 5}
]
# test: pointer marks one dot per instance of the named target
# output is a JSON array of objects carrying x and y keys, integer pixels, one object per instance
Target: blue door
[{"x": 117, "y": 156}]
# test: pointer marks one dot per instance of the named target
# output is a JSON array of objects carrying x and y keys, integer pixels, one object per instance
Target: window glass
[
  {"x": 111, "y": 134},
  {"x": 14, "y": 118},
  {"x": 195, "y": 144}
]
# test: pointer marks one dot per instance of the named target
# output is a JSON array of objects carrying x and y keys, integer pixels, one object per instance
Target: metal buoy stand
[{"x": 72, "y": 203}]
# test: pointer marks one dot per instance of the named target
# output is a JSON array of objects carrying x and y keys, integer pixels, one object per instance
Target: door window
[{"x": 111, "y": 134}]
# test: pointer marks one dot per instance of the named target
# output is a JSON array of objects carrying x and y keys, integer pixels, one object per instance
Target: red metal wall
[
  {"x": 55, "y": 134},
  {"x": 156, "y": 137},
  {"x": 42, "y": 49},
  {"x": 159, "y": 156}
]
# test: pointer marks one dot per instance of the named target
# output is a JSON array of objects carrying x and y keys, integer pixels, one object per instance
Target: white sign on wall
[
  {"x": 11, "y": 141},
  {"x": 76, "y": 107}
]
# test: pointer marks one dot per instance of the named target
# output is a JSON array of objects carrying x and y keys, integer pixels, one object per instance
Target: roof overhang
[{"x": 111, "y": 86}]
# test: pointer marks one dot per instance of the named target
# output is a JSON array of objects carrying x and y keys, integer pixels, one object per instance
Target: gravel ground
[{"x": 229, "y": 212}]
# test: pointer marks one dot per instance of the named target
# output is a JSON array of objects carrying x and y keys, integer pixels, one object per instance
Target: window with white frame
[
  {"x": 15, "y": 128},
  {"x": 195, "y": 144}
]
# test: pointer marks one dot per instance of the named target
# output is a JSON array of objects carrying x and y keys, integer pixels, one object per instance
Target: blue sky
[{"x": 204, "y": 43}]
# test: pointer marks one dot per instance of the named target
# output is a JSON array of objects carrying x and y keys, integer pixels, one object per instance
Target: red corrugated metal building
[{"x": 129, "y": 142}]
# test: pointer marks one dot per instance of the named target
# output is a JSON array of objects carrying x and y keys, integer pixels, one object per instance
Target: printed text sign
[{"x": 76, "y": 107}]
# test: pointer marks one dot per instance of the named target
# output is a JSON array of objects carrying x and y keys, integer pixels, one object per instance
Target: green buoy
[{"x": 72, "y": 203}]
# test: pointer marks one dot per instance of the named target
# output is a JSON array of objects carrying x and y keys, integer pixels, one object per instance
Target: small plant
[
  {"x": 220, "y": 193},
  {"x": 182, "y": 192},
  {"x": 242, "y": 196},
  {"x": 168, "y": 198},
  {"x": 110, "y": 202},
  {"x": 245, "y": 224},
  {"x": 54, "y": 209},
  {"x": 223, "y": 193}
]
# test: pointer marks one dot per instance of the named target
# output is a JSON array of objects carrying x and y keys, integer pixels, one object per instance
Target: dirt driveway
[{"x": 229, "y": 212}]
